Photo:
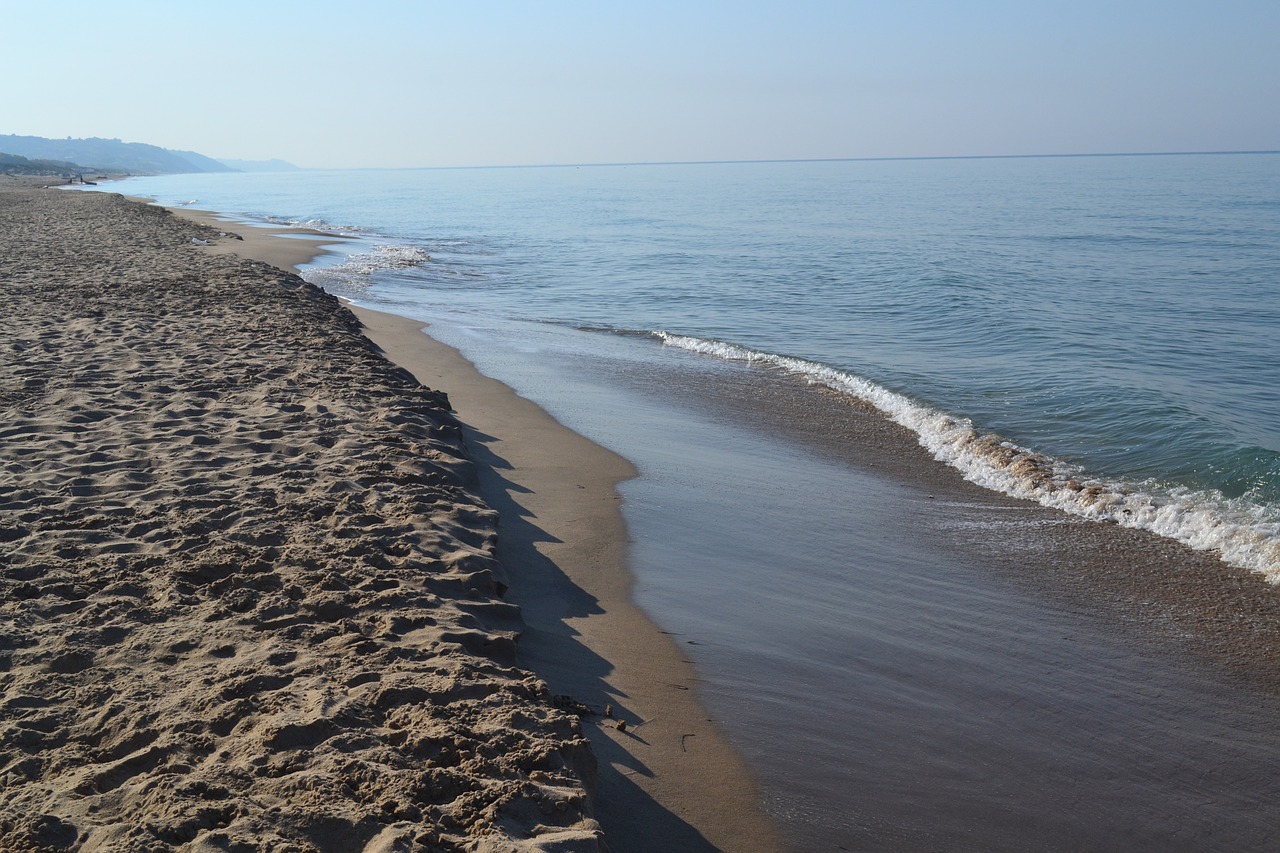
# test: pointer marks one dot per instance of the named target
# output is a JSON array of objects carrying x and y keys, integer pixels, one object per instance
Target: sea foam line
[
  {"x": 356, "y": 269},
  {"x": 1245, "y": 535},
  {"x": 314, "y": 224}
]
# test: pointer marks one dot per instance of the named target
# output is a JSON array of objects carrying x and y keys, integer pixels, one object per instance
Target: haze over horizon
[{"x": 408, "y": 84}]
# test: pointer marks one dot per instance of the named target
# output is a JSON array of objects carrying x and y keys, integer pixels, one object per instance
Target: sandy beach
[{"x": 263, "y": 588}]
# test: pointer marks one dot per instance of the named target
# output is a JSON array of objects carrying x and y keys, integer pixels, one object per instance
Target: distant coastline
[{"x": 115, "y": 157}]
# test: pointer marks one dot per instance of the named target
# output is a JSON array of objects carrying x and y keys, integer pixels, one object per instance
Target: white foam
[
  {"x": 314, "y": 224},
  {"x": 356, "y": 270},
  {"x": 1245, "y": 534}
]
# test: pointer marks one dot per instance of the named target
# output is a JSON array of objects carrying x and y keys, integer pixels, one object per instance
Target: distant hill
[
  {"x": 15, "y": 164},
  {"x": 259, "y": 165},
  {"x": 111, "y": 155}
]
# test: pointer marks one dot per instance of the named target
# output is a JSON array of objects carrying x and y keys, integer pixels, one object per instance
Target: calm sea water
[
  {"x": 1095, "y": 334},
  {"x": 1098, "y": 334}
]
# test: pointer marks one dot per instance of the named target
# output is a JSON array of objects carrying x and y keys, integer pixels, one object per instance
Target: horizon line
[{"x": 898, "y": 158}]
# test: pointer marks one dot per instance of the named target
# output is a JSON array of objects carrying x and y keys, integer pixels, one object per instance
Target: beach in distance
[{"x": 901, "y": 505}]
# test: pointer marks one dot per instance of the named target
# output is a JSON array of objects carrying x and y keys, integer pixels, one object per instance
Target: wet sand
[{"x": 254, "y": 578}]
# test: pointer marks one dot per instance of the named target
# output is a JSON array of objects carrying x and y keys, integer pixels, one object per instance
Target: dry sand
[
  {"x": 254, "y": 578},
  {"x": 250, "y": 599}
]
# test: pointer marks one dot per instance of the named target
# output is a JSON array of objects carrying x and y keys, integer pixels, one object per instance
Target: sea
[{"x": 1098, "y": 336}]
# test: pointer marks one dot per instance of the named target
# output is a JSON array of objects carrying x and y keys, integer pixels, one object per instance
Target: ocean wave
[
  {"x": 1245, "y": 534},
  {"x": 314, "y": 224},
  {"x": 356, "y": 270}
]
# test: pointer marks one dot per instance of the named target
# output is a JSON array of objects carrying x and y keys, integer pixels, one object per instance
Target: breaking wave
[
  {"x": 356, "y": 271},
  {"x": 1243, "y": 533},
  {"x": 314, "y": 224}
]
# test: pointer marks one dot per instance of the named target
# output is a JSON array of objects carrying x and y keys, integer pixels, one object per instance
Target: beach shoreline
[
  {"x": 670, "y": 780},
  {"x": 1183, "y": 619},
  {"x": 904, "y": 658},
  {"x": 250, "y": 597},
  {"x": 666, "y": 778}
]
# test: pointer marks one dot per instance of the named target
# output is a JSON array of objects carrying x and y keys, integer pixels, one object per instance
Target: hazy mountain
[{"x": 111, "y": 155}]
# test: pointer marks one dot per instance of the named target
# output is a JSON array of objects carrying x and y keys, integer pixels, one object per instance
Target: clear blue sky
[{"x": 398, "y": 83}]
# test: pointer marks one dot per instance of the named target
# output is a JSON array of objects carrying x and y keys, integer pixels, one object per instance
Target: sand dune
[{"x": 249, "y": 597}]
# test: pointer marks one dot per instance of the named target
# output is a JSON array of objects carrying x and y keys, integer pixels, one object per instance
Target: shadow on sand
[{"x": 632, "y": 820}]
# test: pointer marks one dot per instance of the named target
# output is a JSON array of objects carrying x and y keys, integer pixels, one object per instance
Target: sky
[{"x": 395, "y": 83}]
